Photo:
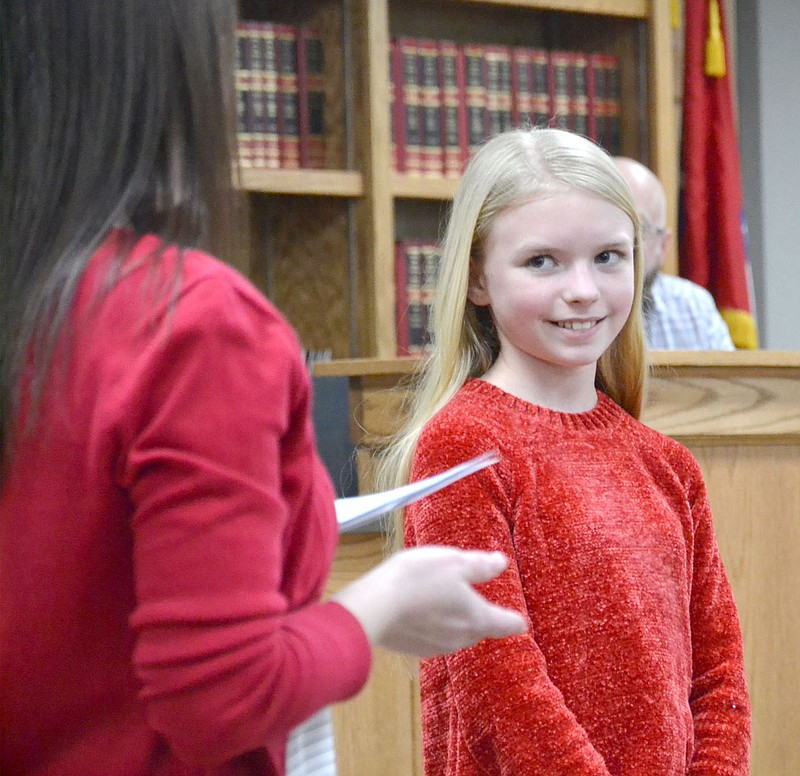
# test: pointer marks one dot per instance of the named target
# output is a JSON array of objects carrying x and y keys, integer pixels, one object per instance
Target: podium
[{"x": 739, "y": 413}]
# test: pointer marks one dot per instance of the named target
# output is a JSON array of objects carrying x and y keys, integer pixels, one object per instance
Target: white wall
[{"x": 768, "y": 80}]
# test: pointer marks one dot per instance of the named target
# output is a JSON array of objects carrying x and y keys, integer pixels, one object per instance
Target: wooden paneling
[
  {"x": 377, "y": 731},
  {"x": 303, "y": 266},
  {"x": 755, "y": 496}
]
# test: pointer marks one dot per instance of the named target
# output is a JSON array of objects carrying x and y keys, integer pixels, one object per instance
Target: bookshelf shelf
[
  {"x": 412, "y": 187},
  {"x": 634, "y": 9},
  {"x": 326, "y": 183}
]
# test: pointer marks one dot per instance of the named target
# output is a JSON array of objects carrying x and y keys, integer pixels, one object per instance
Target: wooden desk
[{"x": 739, "y": 413}]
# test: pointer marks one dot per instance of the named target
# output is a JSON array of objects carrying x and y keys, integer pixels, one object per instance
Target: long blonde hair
[{"x": 509, "y": 169}]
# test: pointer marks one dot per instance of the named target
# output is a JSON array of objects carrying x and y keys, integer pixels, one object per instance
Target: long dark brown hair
[{"x": 112, "y": 112}]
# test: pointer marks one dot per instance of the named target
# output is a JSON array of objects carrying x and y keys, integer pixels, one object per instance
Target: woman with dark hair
[{"x": 167, "y": 526}]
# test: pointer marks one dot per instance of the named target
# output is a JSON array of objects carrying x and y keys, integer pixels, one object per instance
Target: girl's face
[{"x": 558, "y": 276}]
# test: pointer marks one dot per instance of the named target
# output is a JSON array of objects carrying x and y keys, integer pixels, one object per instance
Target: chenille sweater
[
  {"x": 633, "y": 662},
  {"x": 166, "y": 536}
]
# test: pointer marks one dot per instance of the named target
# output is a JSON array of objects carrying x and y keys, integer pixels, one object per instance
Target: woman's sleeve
[
  {"x": 232, "y": 534},
  {"x": 512, "y": 717},
  {"x": 719, "y": 699}
]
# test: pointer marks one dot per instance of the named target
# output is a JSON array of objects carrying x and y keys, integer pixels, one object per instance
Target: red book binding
[
  {"x": 411, "y": 105},
  {"x": 475, "y": 87},
  {"x": 498, "y": 88},
  {"x": 396, "y": 82},
  {"x": 268, "y": 143},
  {"x": 521, "y": 87},
  {"x": 311, "y": 93},
  {"x": 430, "y": 97},
  {"x": 430, "y": 270},
  {"x": 561, "y": 88},
  {"x": 604, "y": 101},
  {"x": 288, "y": 112},
  {"x": 244, "y": 93},
  {"x": 579, "y": 96},
  {"x": 454, "y": 109},
  {"x": 401, "y": 298},
  {"x": 540, "y": 77}
]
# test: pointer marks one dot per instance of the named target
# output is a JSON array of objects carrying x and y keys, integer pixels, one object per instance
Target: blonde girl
[{"x": 633, "y": 661}]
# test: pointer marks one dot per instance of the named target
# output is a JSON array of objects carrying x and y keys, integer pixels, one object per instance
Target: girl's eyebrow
[
  {"x": 619, "y": 245},
  {"x": 614, "y": 243}
]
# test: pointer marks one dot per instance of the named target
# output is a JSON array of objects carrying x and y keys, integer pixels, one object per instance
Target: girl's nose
[{"x": 581, "y": 284}]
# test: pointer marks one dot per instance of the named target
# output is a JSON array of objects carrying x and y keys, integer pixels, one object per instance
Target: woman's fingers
[
  {"x": 422, "y": 601},
  {"x": 482, "y": 566}
]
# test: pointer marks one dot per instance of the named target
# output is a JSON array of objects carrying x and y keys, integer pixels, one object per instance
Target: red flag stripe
[{"x": 712, "y": 249}]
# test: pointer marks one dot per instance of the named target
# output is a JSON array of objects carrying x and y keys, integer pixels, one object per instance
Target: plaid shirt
[{"x": 683, "y": 316}]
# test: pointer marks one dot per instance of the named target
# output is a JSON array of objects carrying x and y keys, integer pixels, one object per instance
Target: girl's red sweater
[{"x": 633, "y": 663}]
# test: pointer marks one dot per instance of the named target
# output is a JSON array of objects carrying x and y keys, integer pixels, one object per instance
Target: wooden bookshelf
[{"x": 322, "y": 241}]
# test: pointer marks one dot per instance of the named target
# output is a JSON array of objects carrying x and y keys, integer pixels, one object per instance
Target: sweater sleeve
[
  {"x": 719, "y": 699},
  {"x": 233, "y": 529},
  {"x": 512, "y": 717}
]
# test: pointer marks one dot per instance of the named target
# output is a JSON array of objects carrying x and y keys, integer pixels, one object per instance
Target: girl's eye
[
  {"x": 607, "y": 257},
  {"x": 540, "y": 262}
]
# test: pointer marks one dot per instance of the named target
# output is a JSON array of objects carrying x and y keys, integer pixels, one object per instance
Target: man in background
[{"x": 678, "y": 314}]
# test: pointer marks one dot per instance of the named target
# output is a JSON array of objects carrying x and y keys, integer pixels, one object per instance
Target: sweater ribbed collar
[{"x": 605, "y": 414}]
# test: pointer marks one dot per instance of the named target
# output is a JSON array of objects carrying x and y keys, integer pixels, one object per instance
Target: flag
[{"x": 712, "y": 243}]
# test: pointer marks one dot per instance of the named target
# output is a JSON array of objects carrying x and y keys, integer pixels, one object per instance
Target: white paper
[
  {"x": 355, "y": 513},
  {"x": 311, "y": 748}
]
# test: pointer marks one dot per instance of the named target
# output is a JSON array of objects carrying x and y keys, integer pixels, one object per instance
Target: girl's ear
[{"x": 476, "y": 291}]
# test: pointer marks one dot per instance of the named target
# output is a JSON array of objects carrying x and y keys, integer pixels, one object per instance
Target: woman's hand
[{"x": 422, "y": 601}]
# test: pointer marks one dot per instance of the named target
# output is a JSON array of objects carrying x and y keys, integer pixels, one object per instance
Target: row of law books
[
  {"x": 416, "y": 268},
  {"x": 446, "y": 98},
  {"x": 280, "y": 96}
]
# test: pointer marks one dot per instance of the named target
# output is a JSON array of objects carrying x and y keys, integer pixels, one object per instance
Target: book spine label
[
  {"x": 430, "y": 108},
  {"x": 454, "y": 111},
  {"x": 561, "y": 88},
  {"x": 540, "y": 77},
  {"x": 416, "y": 311},
  {"x": 613, "y": 107},
  {"x": 498, "y": 88},
  {"x": 411, "y": 106},
  {"x": 475, "y": 88},
  {"x": 604, "y": 105},
  {"x": 244, "y": 93},
  {"x": 396, "y": 85},
  {"x": 258, "y": 98},
  {"x": 521, "y": 87},
  {"x": 430, "y": 271},
  {"x": 401, "y": 298},
  {"x": 269, "y": 147},
  {"x": 311, "y": 92},
  {"x": 595, "y": 96},
  {"x": 579, "y": 98},
  {"x": 288, "y": 108}
]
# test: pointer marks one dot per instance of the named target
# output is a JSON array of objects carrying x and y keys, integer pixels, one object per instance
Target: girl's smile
[{"x": 577, "y": 325}]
